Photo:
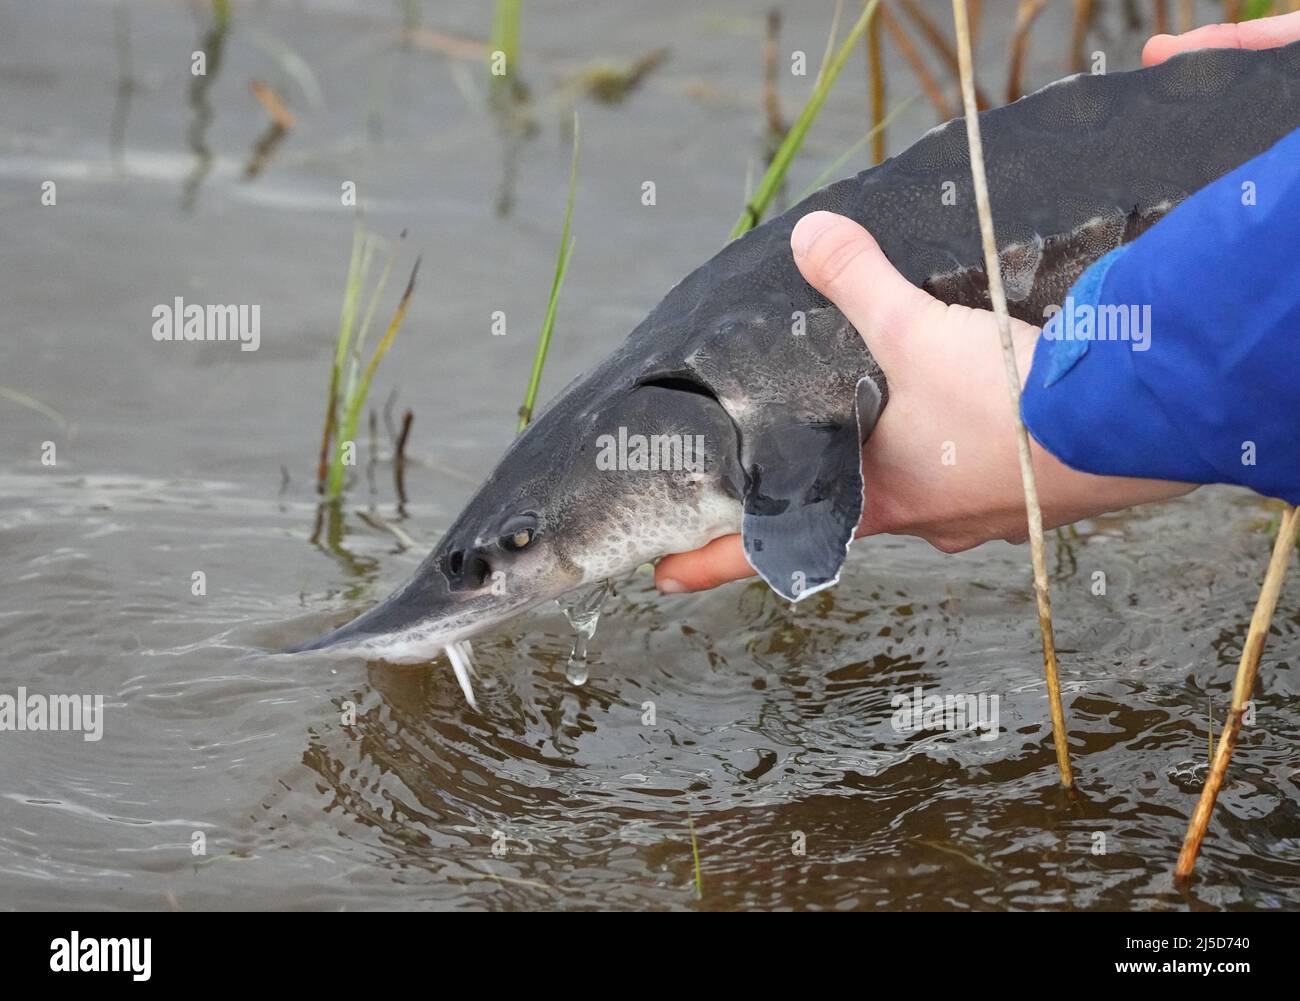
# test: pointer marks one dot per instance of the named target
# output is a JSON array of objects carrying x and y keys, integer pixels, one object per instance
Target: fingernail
[
  {"x": 670, "y": 586},
  {"x": 807, "y": 229}
]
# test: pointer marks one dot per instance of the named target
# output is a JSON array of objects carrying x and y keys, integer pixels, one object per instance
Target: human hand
[
  {"x": 1262, "y": 33},
  {"x": 942, "y": 462}
]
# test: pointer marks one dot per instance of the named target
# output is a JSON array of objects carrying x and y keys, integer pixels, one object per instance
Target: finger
[
  {"x": 1264, "y": 33},
  {"x": 844, "y": 263},
  {"x": 1210, "y": 36},
  {"x": 722, "y": 560},
  {"x": 1268, "y": 32}
]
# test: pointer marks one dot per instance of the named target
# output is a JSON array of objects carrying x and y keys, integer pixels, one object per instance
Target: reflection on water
[
  {"x": 342, "y": 784},
  {"x": 205, "y": 67},
  {"x": 126, "y": 82}
]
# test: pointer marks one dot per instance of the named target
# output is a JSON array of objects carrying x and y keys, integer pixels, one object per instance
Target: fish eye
[
  {"x": 518, "y": 531},
  {"x": 517, "y": 540}
]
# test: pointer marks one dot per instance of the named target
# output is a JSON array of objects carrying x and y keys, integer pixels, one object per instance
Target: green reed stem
[
  {"x": 794, "y": 139},
  {"x": 561, "y": 267}
]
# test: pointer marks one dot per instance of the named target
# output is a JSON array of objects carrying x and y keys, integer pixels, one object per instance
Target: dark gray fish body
[{"x": 746, "y": 356}]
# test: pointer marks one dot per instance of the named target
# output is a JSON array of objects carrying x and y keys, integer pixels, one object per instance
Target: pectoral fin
[{"x": 804, "y": 496}]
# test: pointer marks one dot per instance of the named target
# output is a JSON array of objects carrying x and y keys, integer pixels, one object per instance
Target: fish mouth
[{"x": 418, "y": 621}]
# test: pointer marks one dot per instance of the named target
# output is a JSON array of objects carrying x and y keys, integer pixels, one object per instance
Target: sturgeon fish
[{"x": 747, "y": 360}]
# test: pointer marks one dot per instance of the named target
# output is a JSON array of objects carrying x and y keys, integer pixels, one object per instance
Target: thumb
[{"x": 843, "y": 262}]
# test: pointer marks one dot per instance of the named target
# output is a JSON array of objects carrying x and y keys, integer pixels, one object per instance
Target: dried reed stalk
[
  {"x": 999, "y": 301},
  {"x": 923, "y": 75},
  {"x": 877, "y": 70},
  {"x": 1247, "y": 671},
  {"x": 1025, "y": 17}
]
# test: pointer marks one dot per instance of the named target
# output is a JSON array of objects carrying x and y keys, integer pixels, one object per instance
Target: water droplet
[
  {"x": 582, "y": 609},
  {"x": 576, "y": 670}
]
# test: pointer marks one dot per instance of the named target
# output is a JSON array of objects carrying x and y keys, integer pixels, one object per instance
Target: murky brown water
[{"x": 772, "y": 731}]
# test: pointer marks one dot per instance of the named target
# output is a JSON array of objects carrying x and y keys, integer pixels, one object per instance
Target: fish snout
[{"x": 419, "y": 602}]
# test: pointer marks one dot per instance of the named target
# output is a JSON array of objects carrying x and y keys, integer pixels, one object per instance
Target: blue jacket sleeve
[{"x": 1177, "y": 356}]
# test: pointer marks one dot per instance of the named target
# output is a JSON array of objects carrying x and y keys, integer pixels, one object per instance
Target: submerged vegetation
[
  {"x": 698, "y": 880},
  {"x": 350, "y": 382},
  {"x": 205, "y": 68}
]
